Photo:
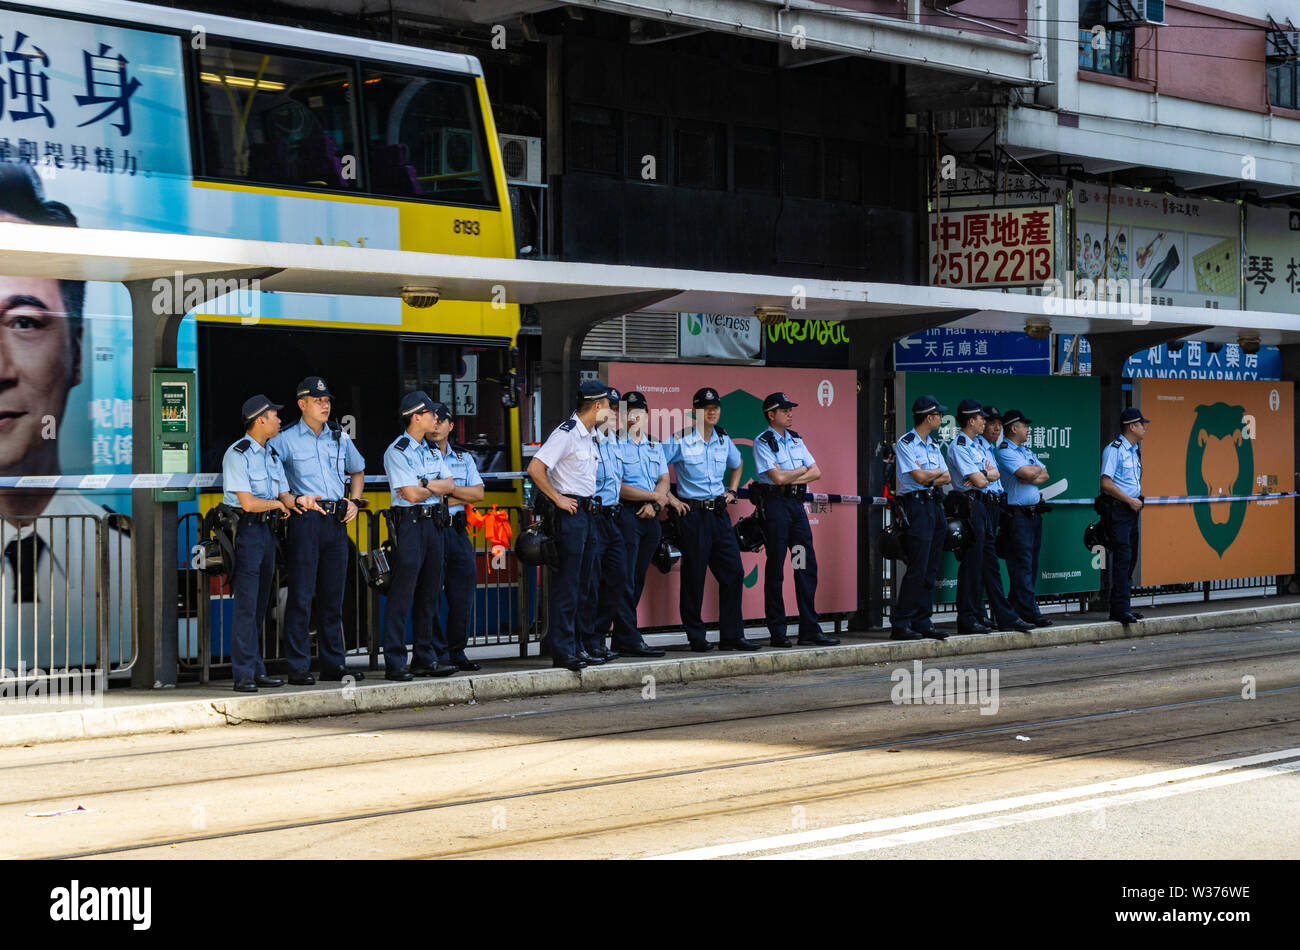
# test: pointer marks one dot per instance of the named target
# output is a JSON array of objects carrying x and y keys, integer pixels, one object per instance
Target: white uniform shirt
[{"x": 569, "y": 454}]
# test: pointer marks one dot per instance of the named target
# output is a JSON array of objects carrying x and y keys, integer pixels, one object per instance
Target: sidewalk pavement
[{"x": 124, "y": 712}]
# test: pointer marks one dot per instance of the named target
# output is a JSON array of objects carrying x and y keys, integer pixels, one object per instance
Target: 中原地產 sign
[{"x": 994, "y": 247}]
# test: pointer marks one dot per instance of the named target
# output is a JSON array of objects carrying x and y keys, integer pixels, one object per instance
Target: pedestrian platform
[{"x": 29, "y": 719}]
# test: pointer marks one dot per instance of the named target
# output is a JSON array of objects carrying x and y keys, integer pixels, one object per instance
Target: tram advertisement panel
[
  {"x": 1217, "y": 437},
  {"x": 1065, "y": 435},
  {"x": 826, "y": 418}
]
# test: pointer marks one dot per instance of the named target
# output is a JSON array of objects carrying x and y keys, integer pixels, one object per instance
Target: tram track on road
[{"x": 776, "y": 798}]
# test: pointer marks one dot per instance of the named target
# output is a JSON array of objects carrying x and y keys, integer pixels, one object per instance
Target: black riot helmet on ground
[
  {"x": 957, "y": 539},
  {"x": 535, "y": 548},
  {"x": 749, "y": 533},
  {"x": 1094, "y": 536},
  {"x": 892, "y": 542},
  {"x": 666, "y": 555}
]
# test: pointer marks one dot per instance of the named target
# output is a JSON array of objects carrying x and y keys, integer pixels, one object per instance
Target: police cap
[
  {"x": 593, "y": 389},
  {"x": 992, "y": 412},
  {"x": 927, "y": 404},
  {"x": 254, "y": 406},
  {"x": 414, "y": 402},
  {"x": 612, "y": 395},
  {"x": 778, "y": 401},
  {"x": 441, "y": 410},
  {"x": 971, "y": 407},
  {"x": 1015, "y": 415},
  {"x": 635, "y": 400},
  {"x": 314, "y": 386},
  {"x": 706, "y": 397},
  {"x": 1130, "y": 415}
]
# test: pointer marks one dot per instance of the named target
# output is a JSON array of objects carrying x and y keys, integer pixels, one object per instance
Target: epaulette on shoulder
[
  {"x": 770, "y": 439},
  {"x": 271, "y": 448},
  {"x": 1115, "y": 444},
  {"x": 458, "y": 449},
  {"x": 1004, "y": 444},
  {"x": 793, "y": 433},
  {"x": 242, "y": 445},
  {"x": 911, "y": 436},
  {"x": 402, "y": 443},
  {"x": 567, "y": 425},
  {"x": 722, "y": 433},
  {"x": 961, "y": 440}
]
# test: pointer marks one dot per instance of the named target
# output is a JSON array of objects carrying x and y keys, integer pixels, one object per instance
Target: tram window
[
  {"x": 843, "y": 170},
  {"x": 283, "y": 120},
  {"x": 237, "y": 361},
  {"x": 801, "y": 170},
  {"x": 645, "y": 138},
  {"x": 424, "y": 138},
  {"x": 471, "y": 380}
]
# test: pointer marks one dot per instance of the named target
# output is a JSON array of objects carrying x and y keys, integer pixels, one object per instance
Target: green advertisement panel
[{"x": 1065, "y": 436}]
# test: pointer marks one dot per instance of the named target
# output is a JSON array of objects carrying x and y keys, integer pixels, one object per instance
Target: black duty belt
[
  {"x": 585, "y": 503},
  {"x": 331, "y": 507},
  {"x": 609, "y": 510},
  {"x": 1027, "y": 510},
  {"x": 261, "y": 517},
  {"x": 436, "y": 513},
  {"x": 460, "y": 520},
  {"x": 707, "y": 504},
  {"x": 798, "y": 492},
  {"x": 932, "y": 494}
]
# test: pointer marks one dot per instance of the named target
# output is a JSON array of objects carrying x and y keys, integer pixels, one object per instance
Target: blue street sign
[
  {"x": 1193, "y": 361},
  {"x": 956, "y": 350}
]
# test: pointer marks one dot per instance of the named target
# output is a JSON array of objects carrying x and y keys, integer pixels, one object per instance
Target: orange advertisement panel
[{"x": 1217, "y": 437}]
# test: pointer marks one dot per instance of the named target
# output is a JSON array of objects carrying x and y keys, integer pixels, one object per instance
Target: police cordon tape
[{"x": 213, "y": 480}]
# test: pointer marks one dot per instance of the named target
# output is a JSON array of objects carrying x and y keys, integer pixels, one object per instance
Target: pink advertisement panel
[{"x": 826, "y": 418}]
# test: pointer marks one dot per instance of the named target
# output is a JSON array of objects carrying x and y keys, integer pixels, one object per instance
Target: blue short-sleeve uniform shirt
[{"x": 257, "y": 469}]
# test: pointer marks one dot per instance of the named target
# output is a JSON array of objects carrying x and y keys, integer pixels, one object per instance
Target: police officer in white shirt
[{"x": 564, "y": 471}]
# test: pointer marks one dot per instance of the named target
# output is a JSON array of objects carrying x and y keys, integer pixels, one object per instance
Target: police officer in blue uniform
[
  {"x": 784, "y": 467},
  {"x": 606, "y": 602},
  {"x": 921, "y": 474},
  {"x": 1121, "y": 482},
  {"x": 642, "y": 495},
  {"x": 459, "y": 570},
  {"x": 1022, "y": 473},
  {"x": 1003, "y": 616},
  {"x": 253, "y": 478},
  {"x": 564, "y": 471},
  {"x": 419, "y": 481},
  {"x": 972, "y": 472},
  {"x": 702, "y": 458},
  {"x": 320, "y": 462}
]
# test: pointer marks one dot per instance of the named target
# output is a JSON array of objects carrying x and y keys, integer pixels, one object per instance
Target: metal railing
[
  {"x": 67, "y": 595},
  {"x": 501, "y": 611}
]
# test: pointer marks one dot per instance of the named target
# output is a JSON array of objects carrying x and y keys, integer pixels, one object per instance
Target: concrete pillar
[
  {"x": 564, "y": 326},
  {"x": 1291, "y": 370}
]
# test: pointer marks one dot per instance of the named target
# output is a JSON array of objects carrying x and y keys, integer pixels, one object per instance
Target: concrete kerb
[{"x": 374, "y": 697}]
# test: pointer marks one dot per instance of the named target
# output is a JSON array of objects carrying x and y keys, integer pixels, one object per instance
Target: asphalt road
[{"x": 1130, "y": 749}]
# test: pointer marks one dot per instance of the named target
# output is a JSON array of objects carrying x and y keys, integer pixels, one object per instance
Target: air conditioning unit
[
  {"x": 456, "y": 151},
  {"x": 522, "y": 157},
  {"x": 1137, "y": 11},
  {"x": 1283, "y": 44}
]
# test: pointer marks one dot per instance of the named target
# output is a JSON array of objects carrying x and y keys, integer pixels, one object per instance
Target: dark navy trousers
[
  {"x": 1000, "y": 610},
  {"x": 254, "y": 573},
  {"x": 786, "y": 528},
  {"x": 709, "y": 542},
  {"x": 641, "y": 538},
  {"x": 575, "y": 544},
  {"x": 1125, "y": 532},
  {"x": 1022, "y": 561},
  {"x": 926, "y": 527},
  {"x": 970, "y": 569},
  {"x": 417, "y": 579},
  {"x": 460, "y": 583},
  {"x": 317, "y": 568},
  {"x": 607, "y": 602}
]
